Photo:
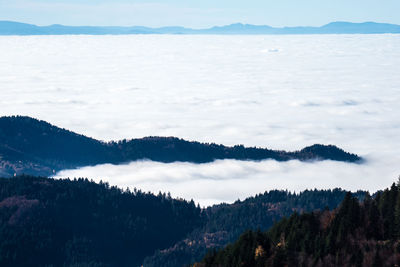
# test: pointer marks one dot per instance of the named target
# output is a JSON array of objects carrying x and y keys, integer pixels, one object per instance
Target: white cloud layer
[
  {"x": 281, "y": 92},
  {"x": 228, "y": 180}
]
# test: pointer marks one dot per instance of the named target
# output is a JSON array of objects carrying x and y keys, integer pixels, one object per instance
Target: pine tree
[
  {"x": 377, "y": 260},
  {"x": 397, "y": 218}
]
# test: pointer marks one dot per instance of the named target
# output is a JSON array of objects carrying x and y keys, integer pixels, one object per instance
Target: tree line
[{"x": 357, "y": 233}]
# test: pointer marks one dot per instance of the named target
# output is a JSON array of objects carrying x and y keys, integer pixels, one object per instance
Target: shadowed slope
[
  {"x": 48, "y": 222},
  {"x": 355, "y": 234}
]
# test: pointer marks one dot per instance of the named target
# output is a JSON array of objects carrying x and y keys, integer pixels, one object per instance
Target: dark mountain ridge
[
  {"x": 17, "y": 28},
  {"x": 48, "y": 222},
  {"x": 62, "y": 222},
  {"x": 36, "y": 147}
]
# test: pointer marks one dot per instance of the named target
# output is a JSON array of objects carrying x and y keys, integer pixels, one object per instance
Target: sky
[{"x": 198, "y": 14}]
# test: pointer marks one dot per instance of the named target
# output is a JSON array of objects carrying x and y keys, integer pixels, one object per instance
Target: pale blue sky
[{"x": 198, "y": 13}]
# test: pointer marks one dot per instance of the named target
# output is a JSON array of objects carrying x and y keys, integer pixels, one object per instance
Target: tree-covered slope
[
  {"x": 36, "y": 147},
  {"x": 225, "y": 222},
  {"x": 356, "y": 234},
  {"x": 47, "y": 222}
]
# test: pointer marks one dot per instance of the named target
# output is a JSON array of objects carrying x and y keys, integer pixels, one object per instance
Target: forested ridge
[
  {"x": 358, "y": 233},
  {"x": 49, "y": 222},
  {"x": 30, "y": 146},
  {"x": 226, "y": 222}
]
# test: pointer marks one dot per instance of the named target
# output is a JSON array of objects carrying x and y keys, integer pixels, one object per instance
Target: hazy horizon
[
  {"x": 205, "y": 27},
  {"x": 159, "y": 13}
]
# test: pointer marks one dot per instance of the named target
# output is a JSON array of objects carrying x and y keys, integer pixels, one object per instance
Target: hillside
[
  {"x": 17, "y": 28},
  {"x": 30, "y": 146},
  {"x": 358, "y": 233},
  {"x": 226, "y": 222},
  {"x": 47, "y": 222}
]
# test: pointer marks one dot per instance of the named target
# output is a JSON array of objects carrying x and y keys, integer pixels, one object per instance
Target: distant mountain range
[
  {"x": 30, "y": 146},
  {"x": 17, "y": 28}
]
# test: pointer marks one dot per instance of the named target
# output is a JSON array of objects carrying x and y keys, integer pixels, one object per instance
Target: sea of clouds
[{"x": 280, "y": 92}]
